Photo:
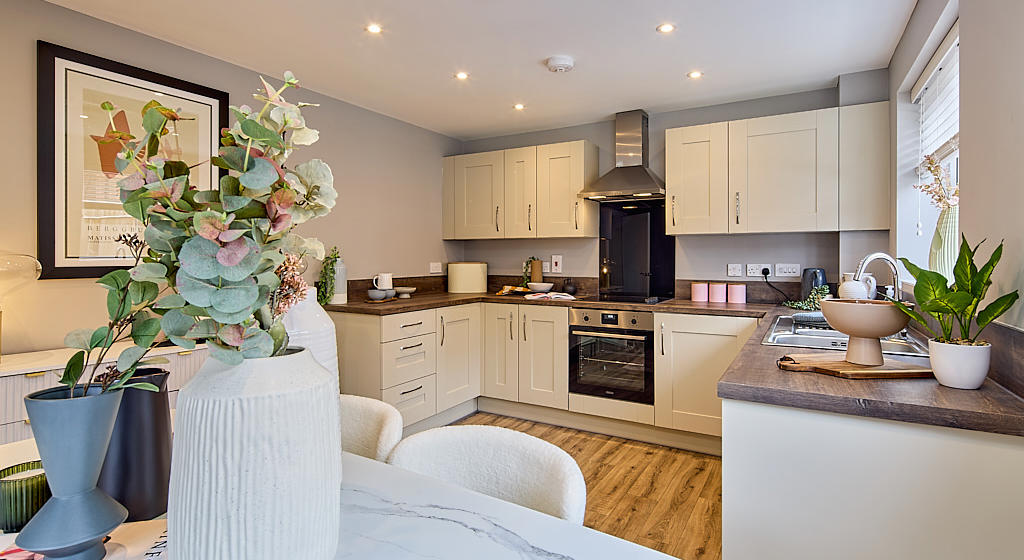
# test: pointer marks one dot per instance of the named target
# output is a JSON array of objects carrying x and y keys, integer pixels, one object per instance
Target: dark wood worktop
[
  {"x": 754, "y": 377},
  {"x": 433, "y": 300}
]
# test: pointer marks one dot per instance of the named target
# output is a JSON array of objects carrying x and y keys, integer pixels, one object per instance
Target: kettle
[{"x": 810, "y": 279}]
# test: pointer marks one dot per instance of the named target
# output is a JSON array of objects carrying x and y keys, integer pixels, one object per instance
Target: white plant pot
[
  {"x": 256, "y": 462},
  {"x": 310, "y": 327},
  {"x": 960, "y": 366}
]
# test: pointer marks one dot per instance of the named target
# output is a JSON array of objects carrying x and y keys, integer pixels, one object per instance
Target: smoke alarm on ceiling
[{"x": 560, "y": 63}]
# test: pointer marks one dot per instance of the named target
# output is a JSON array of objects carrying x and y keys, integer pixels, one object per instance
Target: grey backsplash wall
[{"x": 697, "y": 256}]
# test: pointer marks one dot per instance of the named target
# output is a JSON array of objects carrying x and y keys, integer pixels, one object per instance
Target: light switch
[
  {"x": 735, "y": 270},
  {"x": 546, "y": 266},
  {"x": 435, "y": 268}
]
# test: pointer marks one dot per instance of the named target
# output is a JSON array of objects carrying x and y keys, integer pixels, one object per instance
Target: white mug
[
  {"x": 865, "y": 288},
  {"x": 383, "y": 281}
]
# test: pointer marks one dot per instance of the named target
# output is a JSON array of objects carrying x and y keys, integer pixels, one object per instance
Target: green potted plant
[{"x": 958, "y": 357}]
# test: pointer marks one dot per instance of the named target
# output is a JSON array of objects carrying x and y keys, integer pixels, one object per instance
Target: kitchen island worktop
[
  {"x": 754, "y": 377},
  {"x": 434, "y": 300}
]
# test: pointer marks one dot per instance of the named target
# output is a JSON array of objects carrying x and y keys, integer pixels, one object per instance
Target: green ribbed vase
[{"x": 20, "y": 499}]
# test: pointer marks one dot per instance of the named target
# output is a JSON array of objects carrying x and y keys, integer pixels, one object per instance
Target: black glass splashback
[{"x": 638, "y": 261}]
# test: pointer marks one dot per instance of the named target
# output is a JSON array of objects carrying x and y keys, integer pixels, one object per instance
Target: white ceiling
[{"x": 747, "y": 48}]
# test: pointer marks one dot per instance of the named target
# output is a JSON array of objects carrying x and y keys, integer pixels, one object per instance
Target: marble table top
[{"x": 388, "y": 512}]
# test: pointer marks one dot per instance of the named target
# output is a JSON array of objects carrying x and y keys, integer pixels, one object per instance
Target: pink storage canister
[
  {"x": 716, "y": 292},
  {"x": 737, "y": 293},
  {"x": 699, "y": 291}
]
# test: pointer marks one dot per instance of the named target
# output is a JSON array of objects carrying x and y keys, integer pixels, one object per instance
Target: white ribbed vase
[{"x": 256, "y": 462}]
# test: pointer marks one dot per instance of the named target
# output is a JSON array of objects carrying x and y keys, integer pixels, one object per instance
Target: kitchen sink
[{"x": 786, "y": 332}]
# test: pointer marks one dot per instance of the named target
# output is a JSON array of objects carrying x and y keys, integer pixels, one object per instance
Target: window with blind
[{"x": 937, "y": 97}]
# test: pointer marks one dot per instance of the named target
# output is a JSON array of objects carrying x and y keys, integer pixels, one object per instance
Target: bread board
[{"x": 828, "y": 365}]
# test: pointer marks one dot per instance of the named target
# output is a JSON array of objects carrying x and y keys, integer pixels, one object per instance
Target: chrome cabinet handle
[
  {"x": 737, "y": 208},
  {"x": 411, "y": 390},
  {"x": 496, "y": 218},
  {"x": 442, "y": 330},
  {"x": 416, "y": 324},
  {"x": 673, "y": 210},
  {"x": 529, "y": 217},
  {"x": 663, "y": 339},
  {"x": 576, "y": 214},
  {"x": 410, "y": 347},
  {"x": 524, "y": 327},
  {"x": 511, "y": 335}
]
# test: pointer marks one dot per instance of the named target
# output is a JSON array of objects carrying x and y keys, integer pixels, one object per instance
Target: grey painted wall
[
  {"x": 387, "y": 171},
  {"x": 868, "y": 86}
]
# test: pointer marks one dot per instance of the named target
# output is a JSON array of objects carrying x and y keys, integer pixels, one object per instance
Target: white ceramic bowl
[
  {"x": 540, "y": 286},
  {"x": 404, "y": 292}
]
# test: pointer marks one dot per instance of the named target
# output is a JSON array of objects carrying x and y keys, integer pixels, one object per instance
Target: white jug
[
  {"x": 383, "y": 281},
  {"x": 865, "y": 288}
]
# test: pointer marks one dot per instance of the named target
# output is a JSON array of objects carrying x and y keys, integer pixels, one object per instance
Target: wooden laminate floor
[{"x": 660, "y": 497}]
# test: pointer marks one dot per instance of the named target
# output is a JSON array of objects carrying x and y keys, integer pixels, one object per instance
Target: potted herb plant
[{"x": 959, "y": 358}]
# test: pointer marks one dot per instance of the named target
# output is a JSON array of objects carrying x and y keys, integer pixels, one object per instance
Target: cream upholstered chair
[
  {"x": 502, "y": 463},
  {"x": 369, "y": 427}
]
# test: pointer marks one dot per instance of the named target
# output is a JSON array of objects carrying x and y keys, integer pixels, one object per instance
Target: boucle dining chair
[
  {"x": 369, "y": 428},
  {"x": 499, "y": 462}
]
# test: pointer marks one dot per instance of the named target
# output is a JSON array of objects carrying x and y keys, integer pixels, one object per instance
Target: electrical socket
[
  {"x": 435, "y": 268},
  {"x": 734, "y": 269},
  {"x": 785, "y": 269},
  {"x": 556, "y": 263},
  {"x": 545, "y": 266},
  {"x": 755, "y": 269}
]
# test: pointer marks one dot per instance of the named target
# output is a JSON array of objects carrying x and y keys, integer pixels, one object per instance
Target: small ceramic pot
[{"x": 960, "y": 366}]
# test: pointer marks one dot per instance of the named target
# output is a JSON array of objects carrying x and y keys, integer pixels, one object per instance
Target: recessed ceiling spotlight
[
  {"x": 374, "y": 28},
  {"x": 666, "y": 28},
  {"x": 694, "y": 74},
  {"x": 461, "y": 75},
  {"x": 519, "y": 106}
]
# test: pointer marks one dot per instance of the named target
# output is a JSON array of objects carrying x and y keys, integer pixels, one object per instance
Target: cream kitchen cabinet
[
  {"x": 691, "y": 354},
  {"x": 458, "y": 338},
  {"x": 501, "y": 351},
  {"x": 544, "y": 356},
  {"x": 563, "y": 170},
  {"x": 521, "y": 192},
  {"x": 864, "y": 198},
  {"x": 697, "y": 179},
  {"x": 784, "y": 172},
  {"x": 478, "y": 187}
]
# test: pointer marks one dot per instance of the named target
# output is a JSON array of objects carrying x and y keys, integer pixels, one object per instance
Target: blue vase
[{"x": 72, "y": 437}]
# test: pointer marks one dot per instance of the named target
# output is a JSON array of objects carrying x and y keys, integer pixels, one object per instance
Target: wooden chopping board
[{"x": 818, "y": 363}]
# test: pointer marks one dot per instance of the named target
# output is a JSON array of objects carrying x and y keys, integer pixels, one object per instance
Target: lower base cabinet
[
  {"x": 501, "y": 351},
  {"x": 691, "y": 354},
  {"x": 526, "y": 354},
  {"x": 458, "y": 355}
]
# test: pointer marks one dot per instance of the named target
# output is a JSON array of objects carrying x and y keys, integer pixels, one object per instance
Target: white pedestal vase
[
  {"x": 310, "y": 327},
  {"x": 256, "y": 462}
]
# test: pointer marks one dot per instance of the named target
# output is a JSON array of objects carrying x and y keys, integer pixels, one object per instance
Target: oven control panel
[{"x": 611, "y": 319}]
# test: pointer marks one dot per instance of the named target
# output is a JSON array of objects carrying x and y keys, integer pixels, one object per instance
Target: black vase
[{"x": 137, "y": 468}]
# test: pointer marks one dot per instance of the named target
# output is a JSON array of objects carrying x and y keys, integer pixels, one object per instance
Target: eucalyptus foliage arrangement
[
  {"x": 210, "y": 271},
  {"x": 955, "y": 305},
  {"x": 325, "y": 287}
]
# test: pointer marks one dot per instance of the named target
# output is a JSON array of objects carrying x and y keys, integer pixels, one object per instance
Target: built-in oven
[{"x": 611, "y": 354}]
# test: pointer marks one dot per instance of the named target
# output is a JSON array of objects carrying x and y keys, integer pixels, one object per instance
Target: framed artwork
[{"x": 79, "y": 205}]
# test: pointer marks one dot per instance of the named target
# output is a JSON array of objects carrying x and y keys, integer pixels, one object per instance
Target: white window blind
[{"x": 940, "y": 106}]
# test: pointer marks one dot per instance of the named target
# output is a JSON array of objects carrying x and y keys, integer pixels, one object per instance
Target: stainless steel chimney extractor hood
[{"x": 631, "y": 178}]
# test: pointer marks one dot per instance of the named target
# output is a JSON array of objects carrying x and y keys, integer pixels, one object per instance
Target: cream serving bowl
[{"x": 865, "y": 321}]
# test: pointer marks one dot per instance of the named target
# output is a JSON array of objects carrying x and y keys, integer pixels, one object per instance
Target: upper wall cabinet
[
  {"x": 479, "y": 188},
  {"x": 520, "y": 193},
  {"x": 697, "y": 179},
  {"x": 563, "y": 170},
  {"x": 784, "y": 172},
  {"x": 864, "y": 197}
]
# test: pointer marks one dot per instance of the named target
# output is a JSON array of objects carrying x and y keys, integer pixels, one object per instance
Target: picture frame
[{"x": 78, "y": 201}]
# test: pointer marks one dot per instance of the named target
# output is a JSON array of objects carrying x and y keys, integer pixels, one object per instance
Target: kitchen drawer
[
  {"x": 13, "y": 389},
  {"x": 416, "y": 399},
  {"x": 15, "y": 431},
  {"x": 405, "y": 325},
  {"x": 407, "y": 359}
]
